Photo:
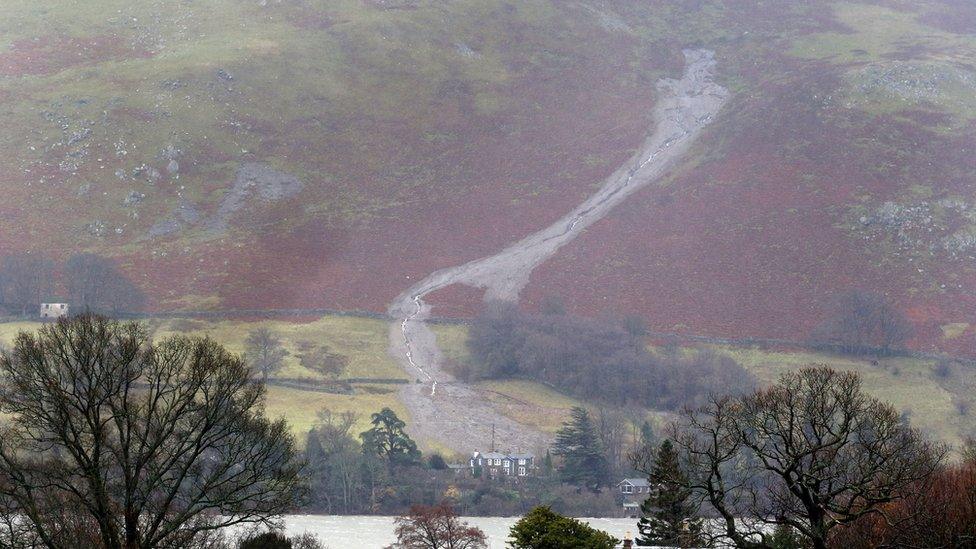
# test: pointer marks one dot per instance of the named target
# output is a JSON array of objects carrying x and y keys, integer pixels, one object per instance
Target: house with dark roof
[
  {"x": 631, "y": 492},
  {"x": 500, "y": 464}
]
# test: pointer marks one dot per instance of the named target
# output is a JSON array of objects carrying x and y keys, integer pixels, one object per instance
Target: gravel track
[{"x": 456, "y": 414}]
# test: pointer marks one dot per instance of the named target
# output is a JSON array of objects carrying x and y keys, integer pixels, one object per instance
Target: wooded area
[
  {"x": 604, "y": 359},
  {"x": 88, "y": 282}
]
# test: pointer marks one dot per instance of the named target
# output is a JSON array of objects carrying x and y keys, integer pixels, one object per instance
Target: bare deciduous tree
[
  {"x": 861, "y": 322},
  {"x": 123, "y": 443},
  {"x": 968, "y": 450},
  {"x": 935, "y": 513},
  {"x": 812, "y": 452},
  {"x": 264, "y": 351},
  {"x": 95, "y": 284},
  {"x": 436, "y": 527},
  {"x": 335, "y": 462},
  {"x": 611, "y": 426},
  {"x": 24, "y": 280}
]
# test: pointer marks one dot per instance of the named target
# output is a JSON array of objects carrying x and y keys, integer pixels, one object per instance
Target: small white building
[
  {"x": 633, "y": 491},
  {"x": 53, "y": 310}
]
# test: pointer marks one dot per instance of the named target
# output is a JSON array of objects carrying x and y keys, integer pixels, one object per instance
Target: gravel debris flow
[{"x": 458, "y": 415}]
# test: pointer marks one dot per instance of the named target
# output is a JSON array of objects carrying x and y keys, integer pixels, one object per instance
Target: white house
[
  {"x": 494, "y": 464},
  {"x": 53, "y": 310},
  {"x": 629, "y": 486},
  {"x": 633, "y": 491}
]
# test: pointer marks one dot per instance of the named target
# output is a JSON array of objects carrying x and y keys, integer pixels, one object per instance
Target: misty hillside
[{"x": 247, "y": 154}]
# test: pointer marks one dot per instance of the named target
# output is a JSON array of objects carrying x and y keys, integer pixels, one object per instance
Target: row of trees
[
  {"x": 92, "y": 282},
  {"x": 365, "y": 475},
  {"x": 438, "y": 527},
  {"x": 266, "y": 353},
  {"x": 381, "y": 471},
  {"x": 860, "y": 322},
  {"x": 938, "y": 511},
  {"x": 604, "y": 360},
  {"x": 811, "y": 461},
  {"x": 114, "y": 440}
]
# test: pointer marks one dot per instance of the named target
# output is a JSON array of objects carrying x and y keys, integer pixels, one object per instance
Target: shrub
[
  {"x": 942, "y": 369},
  {"x": 542, "y": 528},
  {"x": 266, "y": 540},
  {"x": 277, "y": 540},
  {"x": 436, "y": 462}
]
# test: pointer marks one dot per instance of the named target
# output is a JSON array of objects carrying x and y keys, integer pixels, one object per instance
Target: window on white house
[
  {"x": 627, "y": 489},
  {"x": 521, "y": 471}
]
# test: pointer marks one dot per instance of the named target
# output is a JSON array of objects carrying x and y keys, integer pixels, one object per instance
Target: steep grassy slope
[
  {"x": 292, "y": 153},
  {"x": 394, "y": 120},
  {"x": 846, "y": 163}
]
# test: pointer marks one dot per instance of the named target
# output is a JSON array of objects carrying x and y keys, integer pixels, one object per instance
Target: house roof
[
  {"x": 642, "y": 482},
  {"x": 502, "y": 455}
]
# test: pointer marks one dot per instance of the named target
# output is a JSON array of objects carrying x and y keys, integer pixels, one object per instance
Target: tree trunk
[
  {"x": 818, "y": 529},
  {"x": 131, "y": 531}
]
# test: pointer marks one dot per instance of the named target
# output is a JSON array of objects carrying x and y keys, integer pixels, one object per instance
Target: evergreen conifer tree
[
  {"x": 646, "y": 434},
  {"x": 389, "y": 440},
  {"x": 584, "y": 463},
  {"x": 547, "y": 467},
  {"x": 667, "y": 517}
]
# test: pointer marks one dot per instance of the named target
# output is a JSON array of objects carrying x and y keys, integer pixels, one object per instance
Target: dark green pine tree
[
  {"x": 388, "y": 440},
  {"x": 577, "y": 442},
  {"x": 667, "y": 517},
  {"x": 547, "y": 468},
  {"x": 646, "y": 434}
]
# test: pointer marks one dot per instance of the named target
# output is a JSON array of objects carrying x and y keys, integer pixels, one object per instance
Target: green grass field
[
  {"x": 876, "y": 32},
  {"x": 877, "y": 82},
  {"x": 362, "y": 341},
  {"x": 300, "y": 408},
  {"x": 909, "y": 384}
]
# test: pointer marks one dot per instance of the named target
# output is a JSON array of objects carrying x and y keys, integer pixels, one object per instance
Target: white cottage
[{"x": 53, "y": 310}]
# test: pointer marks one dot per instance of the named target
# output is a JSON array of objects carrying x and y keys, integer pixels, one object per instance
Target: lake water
[{"x": 369, "y": 532}]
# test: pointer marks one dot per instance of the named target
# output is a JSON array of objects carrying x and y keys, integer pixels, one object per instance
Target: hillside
[{"x": 312, "y": 153}]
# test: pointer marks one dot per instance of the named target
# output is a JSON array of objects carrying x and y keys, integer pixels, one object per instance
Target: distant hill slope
[{"x": 285, "y": 153}]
